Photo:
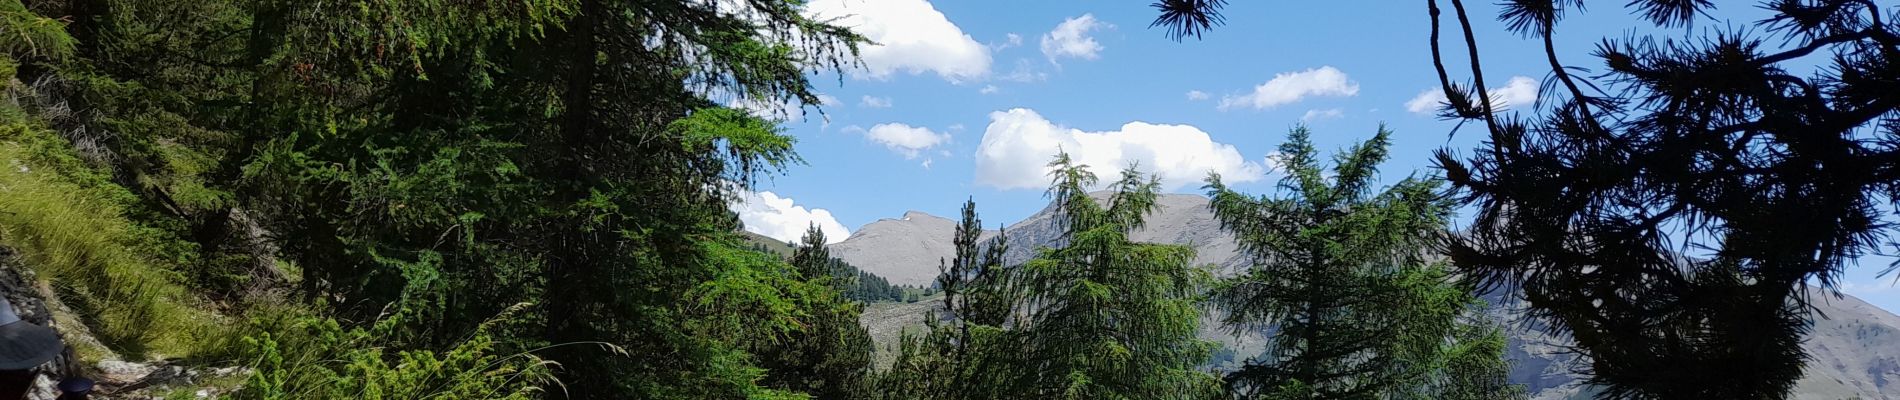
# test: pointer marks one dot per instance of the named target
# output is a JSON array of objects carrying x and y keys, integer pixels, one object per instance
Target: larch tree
[
  {"x": 1343, "y": 277},
  {"x": 830, "y": 356},
  {"x": 1106, "y": 317}
]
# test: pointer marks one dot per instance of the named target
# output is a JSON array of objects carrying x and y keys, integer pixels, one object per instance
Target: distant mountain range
[{"x": 1854, "y": 349}]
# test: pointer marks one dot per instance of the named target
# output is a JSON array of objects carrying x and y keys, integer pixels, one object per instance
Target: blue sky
[{"x": 968, "y": 98}]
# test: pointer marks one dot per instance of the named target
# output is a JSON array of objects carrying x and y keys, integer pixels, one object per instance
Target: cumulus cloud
[
  {"x": 1019, "y": 142},
  {"x": 1520, "y": 91},
  {"x": 1071, "y": 39},
  {"x": 875, "y": 102},
  {"x": 1290, "y": 87},
  {"x": 905, "y": 139},
  {"x": 910, "y": 36},
  {"x": 766, "y": 213},
  {"x": 1315, "y": 115},
  {"x": 1196, "y": 95},
  {"x": 988, "y": 89}
]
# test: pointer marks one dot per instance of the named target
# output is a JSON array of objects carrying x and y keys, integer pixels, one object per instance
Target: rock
[
  {"x": 42, "y": 388},
  {"x": 121, "y": 372}
]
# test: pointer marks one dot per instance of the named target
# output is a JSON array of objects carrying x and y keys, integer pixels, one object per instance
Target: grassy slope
[
  {"x": 778, "y": 247},
  {"x": 888, "y": 321},
  {"x": 67, "y": 224}
]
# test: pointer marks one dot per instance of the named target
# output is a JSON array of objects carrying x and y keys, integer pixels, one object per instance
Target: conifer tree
[
  {"x": 447, "y": 160},
  {"x": 1108, "y": 318},
  {"x": 830, "y": 357},
  {"x": 966, "y": 353},
  {"x": 1670, "y": 210},
  {"x": 1341, "y": 275}
]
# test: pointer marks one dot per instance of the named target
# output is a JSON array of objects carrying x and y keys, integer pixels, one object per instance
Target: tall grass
[{"x": 78, "y": 238}]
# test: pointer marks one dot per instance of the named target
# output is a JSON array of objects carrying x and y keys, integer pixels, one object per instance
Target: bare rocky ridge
[
  {"x": 1854, "y": 349},
  {"x": 904, "y": 251}
]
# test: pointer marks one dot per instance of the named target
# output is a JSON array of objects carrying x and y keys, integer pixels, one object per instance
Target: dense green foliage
[
  {"x": 1098, "y": 317},
  {"x": 519, "y": 198},
  {"x": 830, "y": 357},
  {"x": 307, "y": 357},
  {"x": 865, "y": 286},
  {"x": 856, "y": 284},
  {"x": 414, "y": 170},
  {"x": 1342, "y": 277},
  {"x": 1107, "y": 317}
]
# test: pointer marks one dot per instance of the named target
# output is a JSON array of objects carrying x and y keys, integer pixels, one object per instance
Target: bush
[{"x": 296, "y": 355}]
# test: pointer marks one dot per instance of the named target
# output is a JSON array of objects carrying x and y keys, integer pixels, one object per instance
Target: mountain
[
  {"x": 1854, "y": 348},
  {"x": 904, "y": 251}
]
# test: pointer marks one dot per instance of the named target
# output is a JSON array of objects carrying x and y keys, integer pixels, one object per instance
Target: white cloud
[
  {"x": 780, "y": 218},
  {"x": 1071, "y": 39},
  {"x": 1019, "y": 143},
  {"x": 911, "y": 36},
  {"x": 905, "y": 139},
  {"x": 1196, "y": 95},
  {"x": 1291, "y": 87},
  {"x": 1520, "y": 91},
  {"x": 1025, "y": 72},
  {"x": 1315, "y": 115},
  {"x": 1426, "y": 101},
  {"x": 988, "y": 89},
  {"x": 1009, "y": 40},
  {"x": 875, "y": 102}
]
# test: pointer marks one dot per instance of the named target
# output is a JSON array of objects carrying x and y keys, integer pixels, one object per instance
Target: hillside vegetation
[
  {"x": 418, "y": 199},
  {"x": 524, "y": 199}
]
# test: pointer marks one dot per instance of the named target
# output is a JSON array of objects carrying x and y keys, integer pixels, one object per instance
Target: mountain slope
[
  {"x": 903, "y": 250},
  {"x": 1854, "y": 349}
]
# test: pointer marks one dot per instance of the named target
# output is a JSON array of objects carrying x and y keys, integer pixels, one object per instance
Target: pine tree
[{"x": 1341, "y": 277}]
